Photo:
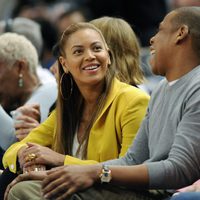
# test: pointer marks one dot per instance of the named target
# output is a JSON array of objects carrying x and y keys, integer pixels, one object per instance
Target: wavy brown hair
[{"x": 124, "y": 47}]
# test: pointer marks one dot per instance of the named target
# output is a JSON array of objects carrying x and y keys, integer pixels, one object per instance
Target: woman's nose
[{"x": 90, "y": 55}]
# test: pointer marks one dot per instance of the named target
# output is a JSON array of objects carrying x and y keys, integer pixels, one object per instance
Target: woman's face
[{"x": 87, "y": 57}]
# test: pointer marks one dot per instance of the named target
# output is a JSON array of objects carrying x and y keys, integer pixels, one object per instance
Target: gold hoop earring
[{"x": 66, "y": 86}]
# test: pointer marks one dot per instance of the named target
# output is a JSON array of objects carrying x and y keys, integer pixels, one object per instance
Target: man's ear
[
  {"x": 182, "y": 34},
  {"x": 63, "y": 63}
]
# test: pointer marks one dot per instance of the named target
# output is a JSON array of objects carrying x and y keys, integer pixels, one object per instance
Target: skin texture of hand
[
  {"x": 24, "y": 177},
  {"x": 24, "y": 126},
  {"x": 20, "y": 156},
  {"x": 62, "y": 182},
  {"x": 195, "y": 187},
  {"x": 31, "y": 110},
  {"x": 27, "y": 120},
  {"x": 44, "y": 156}
]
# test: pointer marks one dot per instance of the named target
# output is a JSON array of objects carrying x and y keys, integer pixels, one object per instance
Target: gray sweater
[{"x": 168, "y": 141}]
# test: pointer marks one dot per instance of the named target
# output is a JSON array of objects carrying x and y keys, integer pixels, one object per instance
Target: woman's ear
[
  {"x": 21, "y": 66},
  {"x": 183, "y": 32},
  {"x": 109, "y": 61},
  {"x": 63, "y": 63}
]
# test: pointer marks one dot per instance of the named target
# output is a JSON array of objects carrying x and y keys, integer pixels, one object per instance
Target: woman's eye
[
  {"x": 97, "y": 48},
  {"x": 78, "y": 51}
]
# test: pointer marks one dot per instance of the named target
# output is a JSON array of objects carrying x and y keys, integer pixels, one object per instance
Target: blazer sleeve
[
  {"x": 131, "y": 118},
  {"x": 42, "y": 135}
]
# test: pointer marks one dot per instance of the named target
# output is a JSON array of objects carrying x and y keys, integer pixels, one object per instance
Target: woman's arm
[{"x": 42, "y": 135}]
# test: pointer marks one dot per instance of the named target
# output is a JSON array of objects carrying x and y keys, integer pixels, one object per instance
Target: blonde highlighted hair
[{"x": 124, "y": 47}]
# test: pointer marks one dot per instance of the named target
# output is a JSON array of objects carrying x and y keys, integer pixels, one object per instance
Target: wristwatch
[{"x": 105, "y": 175}]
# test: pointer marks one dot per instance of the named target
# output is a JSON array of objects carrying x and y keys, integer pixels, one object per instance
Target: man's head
[
  {"x": 190, "y": 17},
  {"x": 178, "y": 36}
]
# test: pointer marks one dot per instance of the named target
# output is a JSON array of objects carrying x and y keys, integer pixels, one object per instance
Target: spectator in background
[
  {"x": 31, "y": 9},
  {"x": 37, "y": 11},
  {"x": 19, "y": 82},
  {"x": 53, "y": 17},
  {"x": 50, "y": 36},
  {"x": 67, "y": 13},
  {"x": 32, "y": 31},
  {"x": 144, "y": 16},
  {"x": 18, "y": 62}
]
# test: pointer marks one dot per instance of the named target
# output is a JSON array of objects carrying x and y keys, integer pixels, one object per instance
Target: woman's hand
[
  {"x": 195, "y": 187},
  {"x": 20, "y": 155},
  {"x": 61, "y": 182},
  {"x": 28, "y": 118},
  {"x": 24, "y": 177},
  {"x": 30, "y": 110},
  {"x": 43, "y": 156},
  {"x": 24, "y": 126}
]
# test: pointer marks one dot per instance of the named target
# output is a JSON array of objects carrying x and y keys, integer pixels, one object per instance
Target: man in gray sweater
[{"x": 166, "y": 152}]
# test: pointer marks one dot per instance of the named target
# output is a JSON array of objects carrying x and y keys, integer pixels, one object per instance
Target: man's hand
[{"x": 62, "y": 182}]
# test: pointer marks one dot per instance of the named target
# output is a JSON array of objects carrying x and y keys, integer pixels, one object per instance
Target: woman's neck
[{"x": 91, "y": 93}]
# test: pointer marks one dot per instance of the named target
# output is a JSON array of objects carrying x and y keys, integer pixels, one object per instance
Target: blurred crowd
[{"x": 54, "y": 16}]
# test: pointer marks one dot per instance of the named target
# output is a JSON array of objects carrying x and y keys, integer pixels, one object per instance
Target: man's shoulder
[{"x": 159, "y": 86}]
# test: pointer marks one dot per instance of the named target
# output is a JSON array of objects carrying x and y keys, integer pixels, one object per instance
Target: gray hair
[
  {"x": 27, "y": 27},
  {"x": 15, "y": 47}
]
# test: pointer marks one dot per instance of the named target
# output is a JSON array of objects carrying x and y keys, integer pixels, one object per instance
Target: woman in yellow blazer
[
  {"x": 110, "y": 136},
  {"x": 115, "y": 119},
  {"x": 111, "y": 132}
]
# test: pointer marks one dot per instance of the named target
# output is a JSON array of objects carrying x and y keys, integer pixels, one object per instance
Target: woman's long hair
[
  {"x": 124, "y": 47},
  {"x": 69, "y": 110}
]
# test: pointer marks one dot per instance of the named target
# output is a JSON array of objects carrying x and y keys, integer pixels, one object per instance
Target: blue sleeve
[{"x": 7, "y": 130}]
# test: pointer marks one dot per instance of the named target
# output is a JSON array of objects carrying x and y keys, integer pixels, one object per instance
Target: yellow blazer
[{"x": 111, "y": 134}]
